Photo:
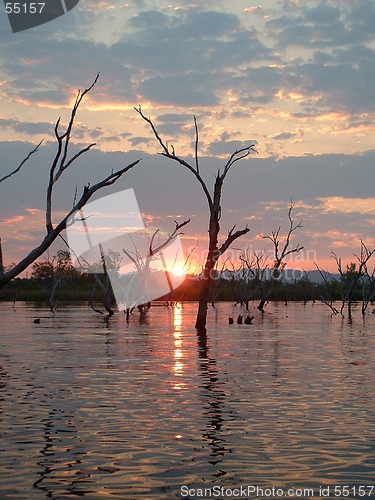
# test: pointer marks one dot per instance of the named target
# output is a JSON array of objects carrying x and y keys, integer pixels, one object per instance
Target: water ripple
[{"x": 137, "y": 410}]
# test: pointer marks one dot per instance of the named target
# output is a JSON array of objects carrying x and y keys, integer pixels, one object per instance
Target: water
[{"x": 137, "y": 411}]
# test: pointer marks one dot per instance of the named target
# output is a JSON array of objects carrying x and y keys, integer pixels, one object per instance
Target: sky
[{"x": 295, "y": 78}]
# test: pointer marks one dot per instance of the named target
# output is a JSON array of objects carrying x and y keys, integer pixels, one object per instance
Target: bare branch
[
  {"x": 187, "y": 259},
  {"x": 292, "y": 227},
  {"x": 60, "y": 161},
  {"x": 338, "y": 262},
  {"x": 171, "y": 237},
  {"x": 238, "y": 155},
  {"x": 196, "y": 144},
  {"x": 173, "y": 156},
  {"x": 22, "y": 163},
  {"x": 275, "y": 238},
  {"x": 231, "y": 237},
  {"x": 326, "y": 300},
  {"x": 214, "y": 202},
  {"x": 156, "y": 134},
  {"x": 2, "y": 269}
]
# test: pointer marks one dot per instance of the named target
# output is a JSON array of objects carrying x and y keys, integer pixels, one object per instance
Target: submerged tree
[
  {"x": 368, "y": 288},
  {"x": 215, "y": 251},
  {"x": 250, "y": 277},
  {"x": 142, "y": 264},
  {"x": 282, "y": 249},
  {"x": 352, "y": 276},
  {"x": 355, "y": 279},
  {"x": 61, "y": 162},
  {"x": 53, "y": 272}
]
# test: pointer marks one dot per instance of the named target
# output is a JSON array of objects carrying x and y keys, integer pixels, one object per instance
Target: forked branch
[
  {"x": 176, "y": 232},
  {"x": 60, "y": 163},
  {"x": 274, "y": 237},
  {"x": 171, "y": 154},
  {"x": 232, "y": 236}
]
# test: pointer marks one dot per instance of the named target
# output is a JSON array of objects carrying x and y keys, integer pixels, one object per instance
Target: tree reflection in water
[{"x": 213, "y": 400}]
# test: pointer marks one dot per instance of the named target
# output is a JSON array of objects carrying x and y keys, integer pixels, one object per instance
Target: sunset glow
[
  {"x": 306, "y": 102},
  {"x": 178, "y": 271}
]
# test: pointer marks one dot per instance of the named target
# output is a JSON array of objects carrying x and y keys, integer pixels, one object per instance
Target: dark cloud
[
  {"x": 345, "y": 85},
  {"x": 60, "y": 66},
  {"x": 28, "y": 128},
  {"x": 226, "y": 148},
  {"x": 257, "y": 191},
  {"x": 288, "y": 135},
  {"x": 188, "y": 59},
  {"x": 324, "y": 25},
  {"x": 192, "y": 57},
  {"x": 171, "y": 129},
  {"x": 186, "y": 90},
  {"x": 174, "y": 118},
  {"x": 135, "y": 141},
  {"x": 149, "y": 19}
]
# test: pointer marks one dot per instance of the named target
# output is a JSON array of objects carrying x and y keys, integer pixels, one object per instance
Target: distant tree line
[{"x": 54, "y": 281}]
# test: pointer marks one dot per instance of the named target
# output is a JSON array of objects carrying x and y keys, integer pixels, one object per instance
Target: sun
[{"x": 178, "y": 271}]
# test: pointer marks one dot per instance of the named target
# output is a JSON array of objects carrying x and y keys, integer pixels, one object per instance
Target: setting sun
[{"x": 178, "y": 271}]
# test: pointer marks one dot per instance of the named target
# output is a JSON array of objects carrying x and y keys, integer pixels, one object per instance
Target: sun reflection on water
[
  {"x": 178, "y": 355},
  {"x": 177, "y": 316}
]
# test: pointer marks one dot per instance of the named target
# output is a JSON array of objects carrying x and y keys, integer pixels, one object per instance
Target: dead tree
[
  {"x": 214, "y": 204},
  {"x": 351, "y": 277},
  {"x": 281, "y": 251},
  {"x": 54, "y": 272},
  {"x": 326, "y": 296},
  {"x": 61, "y": 162},
  {"x": 142, "y": 263},
  {"x": 368, "y": 288},
  {"x": 218, "y": 279},
  {"x": 251, "y": 276},
  {"x": 105, "y": 285}
]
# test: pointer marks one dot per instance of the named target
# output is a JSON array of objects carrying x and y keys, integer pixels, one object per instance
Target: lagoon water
[{"x": 138, "y": 410}]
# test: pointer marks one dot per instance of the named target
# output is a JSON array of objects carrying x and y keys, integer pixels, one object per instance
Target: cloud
[
  {"x": 226, "y": 148},
  {"x": 27, "y": 128},
  {"x": 202, "y": 58},
  {"x": 288, "y": 135},
  {"x": 323, "y": 25},
  {"x": 257, "y": 192},
  {"x": 295, "y": 76},
  {"x": 135, "y": 141},
  {"x": 349, "y": 205}
]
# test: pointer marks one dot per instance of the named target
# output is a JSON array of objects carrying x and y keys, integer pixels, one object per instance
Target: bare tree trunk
[
  {"x": 2, "y": 270},
  {"x": 261, "y": 304},
  {"x": 213, "y": 255},
  {"x": 201, "y": 320},
  {"x": 350, "y": 308}
]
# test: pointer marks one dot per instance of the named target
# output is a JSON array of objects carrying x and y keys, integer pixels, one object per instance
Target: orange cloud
[
  {"x": 348, "y": 205},
  {"x": 14, "y": 220}
]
